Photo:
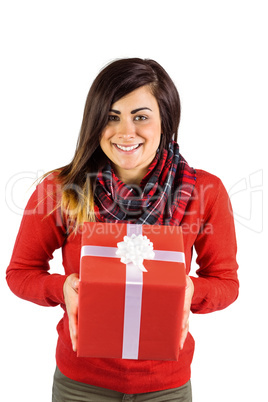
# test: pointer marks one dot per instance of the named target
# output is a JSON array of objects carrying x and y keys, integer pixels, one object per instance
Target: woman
[{"x": 126, "y": 168}]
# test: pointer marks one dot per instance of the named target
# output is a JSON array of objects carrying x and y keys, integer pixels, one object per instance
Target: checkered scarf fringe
[{"x": 160, "y": 199}]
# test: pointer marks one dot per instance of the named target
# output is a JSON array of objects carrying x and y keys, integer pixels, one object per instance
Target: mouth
[{"x": 127, "y": 148}]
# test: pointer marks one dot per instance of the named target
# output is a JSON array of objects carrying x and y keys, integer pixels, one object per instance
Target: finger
[
  {"x": 185, "y": 320},
  {"x": 186, "y": 313},
  {"x": 186, "y": 310},
  {"x": 73, "y": 321},
  {"x": 184, "y": 334},
  {"x": 187, "y": 301},
  {"x": 73, "y": 341},
  {"x": 73, "y": 331}
]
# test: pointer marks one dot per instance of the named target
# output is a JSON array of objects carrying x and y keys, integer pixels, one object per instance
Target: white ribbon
[{"x": 133, "y": 301}]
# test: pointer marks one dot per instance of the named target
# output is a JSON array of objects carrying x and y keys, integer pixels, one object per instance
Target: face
[{"x": 132, "y": 136}]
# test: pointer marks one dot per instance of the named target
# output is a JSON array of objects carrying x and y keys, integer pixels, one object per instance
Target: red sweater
[{"x": 207, "y": 225}]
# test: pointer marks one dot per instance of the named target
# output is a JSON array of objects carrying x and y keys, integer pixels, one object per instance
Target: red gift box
[{"x": 124, "y": 312}]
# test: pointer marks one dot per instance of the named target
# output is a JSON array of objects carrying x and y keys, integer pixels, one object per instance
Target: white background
[{"x": 216, "y": 52}]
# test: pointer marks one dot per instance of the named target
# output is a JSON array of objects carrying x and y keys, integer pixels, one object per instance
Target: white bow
[{"x": 135, "y": 249}]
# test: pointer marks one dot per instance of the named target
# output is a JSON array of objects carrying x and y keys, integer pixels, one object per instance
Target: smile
[{"x": 127, "y": 148}]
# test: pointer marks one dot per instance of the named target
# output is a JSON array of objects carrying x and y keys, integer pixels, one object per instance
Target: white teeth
[{"x": 127, "y": 148}]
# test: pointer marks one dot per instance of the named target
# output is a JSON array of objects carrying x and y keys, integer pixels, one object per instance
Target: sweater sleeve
[
  {"x": 41, "y": 232},
  {"x": 217, "y": 284}
]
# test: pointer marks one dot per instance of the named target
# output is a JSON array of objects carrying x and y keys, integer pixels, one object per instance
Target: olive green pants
[{"x": 67, "y": 390}]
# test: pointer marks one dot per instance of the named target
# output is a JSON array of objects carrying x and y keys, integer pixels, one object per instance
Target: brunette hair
[{"x": 115, "y": 81}]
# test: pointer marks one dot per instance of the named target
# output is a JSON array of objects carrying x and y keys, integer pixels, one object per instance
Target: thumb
[
  {"x": 75, "y": 282},
  {"x": 188, "y": 282}
]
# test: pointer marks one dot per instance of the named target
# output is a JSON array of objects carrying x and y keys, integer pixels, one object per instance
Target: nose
[{"x": 126, "y": 129}]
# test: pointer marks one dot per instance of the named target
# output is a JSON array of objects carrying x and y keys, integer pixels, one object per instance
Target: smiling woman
[
  {"x": 120, "y": 91},
  {"x": 131, "y": 138},
  {"x": 126, "y": 168}
]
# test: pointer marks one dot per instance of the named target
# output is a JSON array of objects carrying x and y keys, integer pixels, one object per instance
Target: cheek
[
  {"x": 156, "y": 137},
  {"x": 104, "y": 147},
  {"x": 101, "y": 143},
  {"x": 104, "y": 139}
]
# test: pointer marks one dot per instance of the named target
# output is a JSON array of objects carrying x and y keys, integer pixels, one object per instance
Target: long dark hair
[{"x": 116, "y": 80}]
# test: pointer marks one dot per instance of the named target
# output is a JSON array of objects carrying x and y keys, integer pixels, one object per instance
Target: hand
[
  {"x": 186, "y": 310},
  {"x": 70, "y": 291}
]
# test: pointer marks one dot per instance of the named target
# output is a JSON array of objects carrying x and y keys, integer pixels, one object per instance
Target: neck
[{"x": 131, "y": 177}]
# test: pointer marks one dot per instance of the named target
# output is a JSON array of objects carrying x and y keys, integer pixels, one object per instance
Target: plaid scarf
[{"x": 161, "y": 198}]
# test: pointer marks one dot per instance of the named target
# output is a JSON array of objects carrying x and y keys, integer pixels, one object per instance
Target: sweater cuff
[
  {"x": 199, "y": 300},
  {"x": 54, "y": 289}
]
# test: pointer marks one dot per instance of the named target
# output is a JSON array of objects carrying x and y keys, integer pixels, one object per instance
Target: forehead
[{"x": 140, "y": 97}]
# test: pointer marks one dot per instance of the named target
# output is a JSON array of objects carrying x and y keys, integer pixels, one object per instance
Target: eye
[
  {"x": 112, "y": 117},
  {"x": 140, "y": 118}
]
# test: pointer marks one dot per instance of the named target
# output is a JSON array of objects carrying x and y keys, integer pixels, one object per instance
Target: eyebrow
[
  {"x": 141, "y": 108},
  {"x": 133, "y": 111}
]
